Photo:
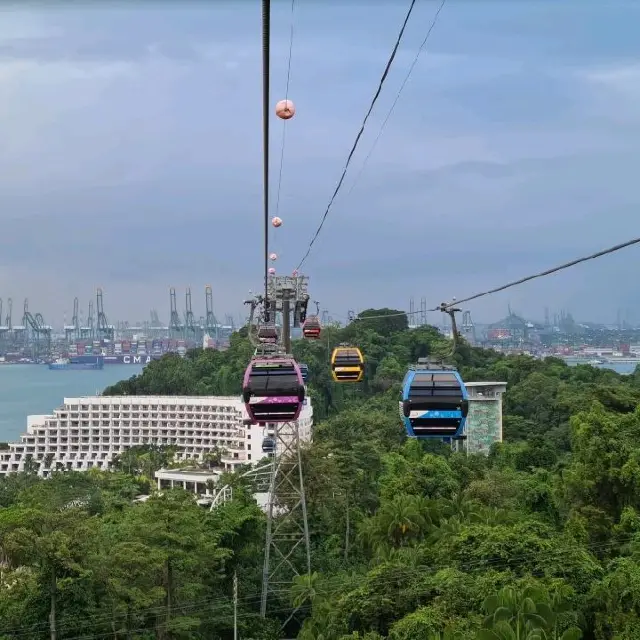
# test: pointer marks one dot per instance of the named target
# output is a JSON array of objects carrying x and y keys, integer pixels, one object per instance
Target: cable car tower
[{"x": 287, "y": 548}]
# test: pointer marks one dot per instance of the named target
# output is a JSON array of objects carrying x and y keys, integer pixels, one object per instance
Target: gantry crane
[
  {"x": 210, "y": 321},
  {"x": 104, "y": 330},
  {"x": 72, "y": 331},
  {"x": 37, "y": 333},
  {"x": 176, "y": 327},
  {"x": 189, "y": 319}
]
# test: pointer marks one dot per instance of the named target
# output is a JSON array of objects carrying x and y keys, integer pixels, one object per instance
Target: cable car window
[
  {"x": 437, "y": 378},
  {"x": 422, "y": 378},
  {"x": 446, "y": 383},
  {"x": 281, "y": 371},
  {"x": 273, "y": 383},
  {"x": 347, "y": 359},
  {"x": 273, "y": 365},
  {"x": 288, "y": 381}
]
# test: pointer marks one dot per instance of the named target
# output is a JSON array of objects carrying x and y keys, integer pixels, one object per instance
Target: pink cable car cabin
[{"x": 273, "y": 389}]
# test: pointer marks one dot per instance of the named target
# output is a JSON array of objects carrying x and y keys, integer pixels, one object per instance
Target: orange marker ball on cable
[
  {"x": 285, "y": 109},
  {"x": 273, "y": 257},
  {"x": 276, "y": 222}
]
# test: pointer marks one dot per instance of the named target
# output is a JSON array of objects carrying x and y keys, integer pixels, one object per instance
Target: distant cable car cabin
[
  {"x": 273, "y": 389},
  {"x": 434, "y": 402},
  {"x": 304, "y": 370},
  {"x": 347, "y": 364},
  {"x": 268, "y": 445},
  {"x": 268, "y": 333},
  {"x": 312, "y": 328}
]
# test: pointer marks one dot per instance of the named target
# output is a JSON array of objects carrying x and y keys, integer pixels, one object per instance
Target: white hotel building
[{"x": 89, "y": 432}]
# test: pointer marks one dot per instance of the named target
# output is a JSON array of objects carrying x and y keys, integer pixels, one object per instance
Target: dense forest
[{"x": 539, "y": 540}]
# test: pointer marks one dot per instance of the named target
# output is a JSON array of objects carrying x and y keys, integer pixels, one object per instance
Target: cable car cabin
[
  {"x": 273, "y": 390},
  {"x": 268, "y": 333},
  {"x": 347, "y": 364},
  {"x": 304, "y": 370},
  {"x": 434, "y": 403},
  {"x": 269, "y": 445},
  {"x": 312, "y": 328}
]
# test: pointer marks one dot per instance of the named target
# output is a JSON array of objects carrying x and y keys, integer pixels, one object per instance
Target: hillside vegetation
[{"x": 539, "y": 540}]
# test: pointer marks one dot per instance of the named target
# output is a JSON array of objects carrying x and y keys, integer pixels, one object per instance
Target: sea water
[{"x": 27, "y": 389}]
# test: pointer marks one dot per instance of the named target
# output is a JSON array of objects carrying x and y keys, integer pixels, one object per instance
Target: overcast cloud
[{"x": 130, "y": 154}]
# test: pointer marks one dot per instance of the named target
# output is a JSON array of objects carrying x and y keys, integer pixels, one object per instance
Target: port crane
[
  {"x": 72, "y": 331},
  {"x": 210, "y": 321},
  {"x": 37, "y": 333},
  {"x": 189, "y": 318},
  {"x": 155, "y": 320},
  {"x": 7, "y": 320},
  {"x": 175, "y": 324},
  {"x": 87, "y": 331},
  {"x": 3, "y": 329},
  {"x": 103, "y": 329}
]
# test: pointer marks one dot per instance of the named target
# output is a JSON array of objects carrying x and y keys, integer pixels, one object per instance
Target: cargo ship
[
  {"x": 73, "y": 364},
  {"x": 131, "y": 358},
  {"x": 119, "y": 358},
  {"x": 134, "y": 352}
]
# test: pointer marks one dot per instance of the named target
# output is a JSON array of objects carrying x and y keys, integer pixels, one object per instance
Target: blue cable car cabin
[
  {"x": 304, "y": 370},
  {"x": 434, "y": 403},
  {"x": 268, "y": 445}
]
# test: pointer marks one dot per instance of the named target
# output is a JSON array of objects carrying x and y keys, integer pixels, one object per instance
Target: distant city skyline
[{"x": 131, "y": 153}]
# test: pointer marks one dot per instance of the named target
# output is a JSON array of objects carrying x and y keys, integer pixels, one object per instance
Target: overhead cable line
[
  {"x": 448, "y": 306},
  {"x": 286, "y": 97},
  {"x": 400, "y": 90},
  {"x": 548, "y": 272},
  {"x": 361, "y": 131},
  {"x": 266, "y": 42}
]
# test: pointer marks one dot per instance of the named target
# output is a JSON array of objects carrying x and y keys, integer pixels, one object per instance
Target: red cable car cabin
[
  {"x": 312, "y": 328},
  {"x": 268, "y": 333}
]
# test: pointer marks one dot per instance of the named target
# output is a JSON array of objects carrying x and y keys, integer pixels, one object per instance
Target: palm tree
[
  {"x": 305, "y": 589},
  {"x": 505, "y": 631},
  {"x": 448, "y": 527},
  {"x": 402, "y": 519},
  {"x": 523, "y": 615},
  {"x": 515, "y": 607},
  {"x": 461, "y": 506},
  {"x": 407, "y": 556},
  {"x": 493, "y": 516}
]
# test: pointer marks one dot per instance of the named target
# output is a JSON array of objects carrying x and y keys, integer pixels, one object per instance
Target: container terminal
[
  {"x": 91, "y": 342},
  {"x": 92, "y": 339}
]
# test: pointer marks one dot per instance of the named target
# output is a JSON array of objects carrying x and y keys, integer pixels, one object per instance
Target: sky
[{"x": 131, "y": 154}]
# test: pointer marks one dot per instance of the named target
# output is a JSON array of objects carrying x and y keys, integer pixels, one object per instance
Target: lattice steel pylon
[
  {"x": 287, "y": 546},
  {"x": 287, "y": 551}
]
